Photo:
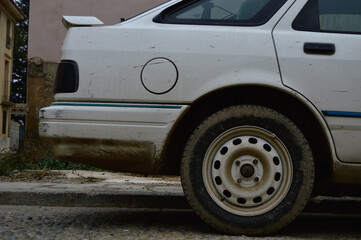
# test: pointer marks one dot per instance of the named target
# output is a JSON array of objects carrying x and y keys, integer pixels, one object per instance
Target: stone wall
[
  {"x": 4, "y": 145},
  {"x": 41, "y": 78}
]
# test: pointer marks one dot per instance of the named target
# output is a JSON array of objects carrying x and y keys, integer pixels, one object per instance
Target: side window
[
  {"x": 340, "y": 16},
  {"x": 330, "y": 16},
  {"x": 221, "y": 12}
]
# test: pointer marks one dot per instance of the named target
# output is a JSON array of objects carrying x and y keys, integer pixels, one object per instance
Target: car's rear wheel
[{"x": 247, "y": 170}]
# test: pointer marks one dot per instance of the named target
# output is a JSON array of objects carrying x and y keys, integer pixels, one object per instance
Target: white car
[{"x": 257, "y": 103}]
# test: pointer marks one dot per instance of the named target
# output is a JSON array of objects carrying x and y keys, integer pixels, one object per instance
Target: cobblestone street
[{"x": 26, "y": 222}]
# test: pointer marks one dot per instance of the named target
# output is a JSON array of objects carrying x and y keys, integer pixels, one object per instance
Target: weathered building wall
[
  {"x": 6, "y": 47},
  {"x": 9, "y": 13},
  {"x": 46, "y": 33}
]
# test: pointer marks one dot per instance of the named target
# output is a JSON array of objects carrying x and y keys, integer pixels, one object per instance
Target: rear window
[{"x": 221, "y": 12}]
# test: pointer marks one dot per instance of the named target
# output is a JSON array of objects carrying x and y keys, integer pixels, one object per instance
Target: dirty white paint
[
  {"x": 330, "y": 82},
  {"x": 141, "y": 62},
  {"x": 203, "y": 60},
  {"x": 143, "y": 124},
  {"x": 347, "y": 136}
]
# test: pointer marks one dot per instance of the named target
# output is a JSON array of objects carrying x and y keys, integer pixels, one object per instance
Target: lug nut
[
  {"x": 256, "y": 179},
  {"x": 239, "y": 180},
  {"x": 255, "y": 161},
  {"x": 238, "y": 163}
]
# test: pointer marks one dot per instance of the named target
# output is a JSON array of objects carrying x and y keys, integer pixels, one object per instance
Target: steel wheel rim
[{"x": 247, "y": 171}]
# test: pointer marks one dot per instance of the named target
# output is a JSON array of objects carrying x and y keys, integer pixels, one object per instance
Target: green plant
[
  {"x": 36, "y": 155},
  {"x": 9, "y": 163}
]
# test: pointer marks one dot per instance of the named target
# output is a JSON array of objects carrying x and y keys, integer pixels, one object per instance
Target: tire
[{"x": 247, "y": 170}]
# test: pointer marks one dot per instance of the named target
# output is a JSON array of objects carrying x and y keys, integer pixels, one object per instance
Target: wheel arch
[{"x": 285, "y": 101}]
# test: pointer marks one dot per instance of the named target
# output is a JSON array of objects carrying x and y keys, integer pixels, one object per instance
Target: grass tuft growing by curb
[{"x": 36, "y": 155}]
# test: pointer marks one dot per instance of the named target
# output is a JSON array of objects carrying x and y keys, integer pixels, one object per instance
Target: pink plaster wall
[{"x": 46, "y": 32}]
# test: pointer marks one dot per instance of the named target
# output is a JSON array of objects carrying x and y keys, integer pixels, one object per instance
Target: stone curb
[
  {"x": 127, "y": 191},
  {"x": 101, "y": 194},
  {"x": 98, "y": 200}
]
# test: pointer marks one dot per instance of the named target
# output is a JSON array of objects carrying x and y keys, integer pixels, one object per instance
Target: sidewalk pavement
[{"x": 105, "y": 189}]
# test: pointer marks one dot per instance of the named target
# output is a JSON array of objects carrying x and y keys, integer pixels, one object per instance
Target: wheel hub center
[{"x": 247, "y": 171}]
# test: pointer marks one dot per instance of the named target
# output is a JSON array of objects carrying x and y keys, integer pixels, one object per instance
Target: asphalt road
[{"x": 33, "y": 222}]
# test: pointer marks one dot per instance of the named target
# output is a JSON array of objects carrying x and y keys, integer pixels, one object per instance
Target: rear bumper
[{"x": 126, "y": 137}]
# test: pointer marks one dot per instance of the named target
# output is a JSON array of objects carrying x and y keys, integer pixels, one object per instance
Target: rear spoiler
[{"x": 80, "y": 21}]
